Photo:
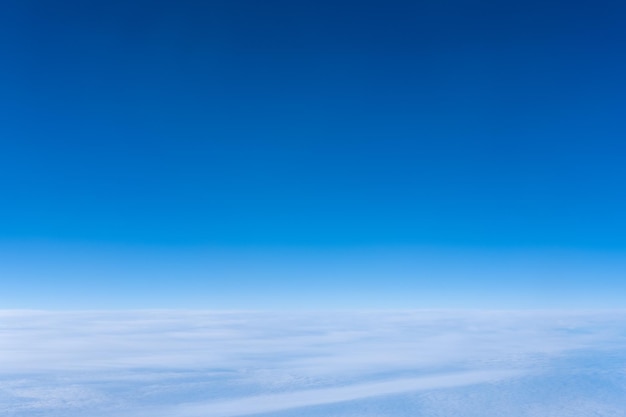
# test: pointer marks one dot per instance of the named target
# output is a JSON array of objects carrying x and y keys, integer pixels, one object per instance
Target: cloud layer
[{"x": 223, "y": 364}]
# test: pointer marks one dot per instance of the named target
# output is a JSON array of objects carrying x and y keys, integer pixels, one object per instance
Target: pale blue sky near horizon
[
  {"x": 60, "y": 276},
  {"x": 312, "y": 154}
]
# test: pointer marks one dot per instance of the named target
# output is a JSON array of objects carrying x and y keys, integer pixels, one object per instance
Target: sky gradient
[{"x": 317, "y": 153}]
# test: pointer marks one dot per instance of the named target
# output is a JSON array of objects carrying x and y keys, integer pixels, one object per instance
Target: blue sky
[{"x": 442, "y": 153}]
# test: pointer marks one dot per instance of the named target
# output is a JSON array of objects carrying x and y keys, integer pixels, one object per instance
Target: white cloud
[
  {"x": 278, "y": 402},
  {"x": 190, "y": 363}
]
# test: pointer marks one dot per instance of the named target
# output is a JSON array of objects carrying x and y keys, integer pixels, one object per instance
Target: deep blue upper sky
[
  {"x": 320, "y": 124},
  {"x": 312, "y": 122}
]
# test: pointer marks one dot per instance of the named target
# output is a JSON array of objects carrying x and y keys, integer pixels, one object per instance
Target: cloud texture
[{"x": 227, "y": 364}]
